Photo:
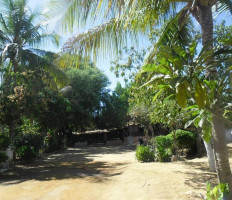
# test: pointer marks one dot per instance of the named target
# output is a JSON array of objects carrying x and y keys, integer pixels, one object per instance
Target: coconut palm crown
[{"x": 20, "y": 37}]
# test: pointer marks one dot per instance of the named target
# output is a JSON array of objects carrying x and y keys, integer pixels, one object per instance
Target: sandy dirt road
[{"x": 104, "y": 173}]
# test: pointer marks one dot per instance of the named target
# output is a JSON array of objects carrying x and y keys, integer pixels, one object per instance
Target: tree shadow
[
  {"x": 199, "y": 179},
  {"x": 69, "y": 164},
  {"x": 199, "y": 176}
]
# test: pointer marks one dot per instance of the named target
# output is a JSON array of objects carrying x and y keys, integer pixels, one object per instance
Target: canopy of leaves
[{"x": 86, "y": 96}]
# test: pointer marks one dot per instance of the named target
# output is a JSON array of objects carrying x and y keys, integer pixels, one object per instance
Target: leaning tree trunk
[
  {"x": 205, "y": 18},
  {"x": 220, "y": 147}
]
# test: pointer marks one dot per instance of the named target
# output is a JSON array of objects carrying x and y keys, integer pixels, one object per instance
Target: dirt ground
[{"x": 104, "y": 173}]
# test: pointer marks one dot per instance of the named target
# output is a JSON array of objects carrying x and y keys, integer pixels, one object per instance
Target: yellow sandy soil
[{"x": 104, "y": 173}]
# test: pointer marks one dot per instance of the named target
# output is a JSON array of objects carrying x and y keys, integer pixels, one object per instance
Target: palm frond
[
  {"x": 178, "y": 30},
  {"x": 58, "y": 76},
  {"x": 44, "y": 60},
  {"x": 44, "y": 39},
  {"x": 107, "y": 38},
  {"x": 224, "y": 5}
]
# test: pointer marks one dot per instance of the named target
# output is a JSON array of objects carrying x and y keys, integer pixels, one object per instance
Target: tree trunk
[
  {"x": 220, "y": 147},
  {"x": 210, "y": 155},
  {"x": 11, "y": 134},
  {"x": 206, "y": 22},
  {"x": 152, "y": 135}
]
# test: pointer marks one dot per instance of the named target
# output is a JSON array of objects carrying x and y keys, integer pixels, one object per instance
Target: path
[{"x": 104, "y": 173}]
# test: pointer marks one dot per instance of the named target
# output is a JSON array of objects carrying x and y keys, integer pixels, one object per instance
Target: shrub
[
  {"x": 185, "y": 139},
  {"x": 29, "y": 139},
  {"x": 3, "y": 157},
  {"x": 26, "y": 152},
  {"x": 144, "y": 154},
  {"x": 4, "y": 142},
  {"x": 53, "y": 142},
  {"x": 164, "y": 146}
]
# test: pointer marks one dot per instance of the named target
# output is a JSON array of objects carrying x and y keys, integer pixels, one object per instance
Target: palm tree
[
  {"x": 140, "y": 16},
  {"x": 20, "y": 38}
]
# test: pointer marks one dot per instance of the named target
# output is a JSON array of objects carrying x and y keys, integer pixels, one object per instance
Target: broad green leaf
[
  {"x": 206, "y": 133},
  {"x": 196, "y": 121},
  {"x": 182, "y": 93},
  {"x": 200, "y": 96},
  {"x": 161, "y": 69},
  {"x": 154, "y": 78}
]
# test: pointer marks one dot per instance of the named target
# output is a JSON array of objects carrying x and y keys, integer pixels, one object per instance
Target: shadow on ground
[
  {"x": 200, "y": 174},
  {"x": 69, "y": 164}
]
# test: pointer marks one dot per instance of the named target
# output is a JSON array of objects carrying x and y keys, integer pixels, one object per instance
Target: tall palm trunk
[{"x": 220, "y": 145}]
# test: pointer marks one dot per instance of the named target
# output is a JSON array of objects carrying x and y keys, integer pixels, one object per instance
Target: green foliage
[
  {"x": 3, "y": 157},
  {"x": 163, "y": 147},
  {"x": 168, "y": 112},
  {"x": 201, "y": 119},
  {"x": 86, "y": 97},
  {"x": 53, "y": 142},
  {"x": 4, "y": 142},
  {"x": 34, "y": 141},
  {"x": 144, "y": 154},
  {"x": 127, "y": 63},
  {"x": 113, "y": 113},
  {"x": 26, "y": 152},
  {"x": 54, "y": 111},
  {"x": 185, "y": 139},
  {"x": 219, "y": 192}
]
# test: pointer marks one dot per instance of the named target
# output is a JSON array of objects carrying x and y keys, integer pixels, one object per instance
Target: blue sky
[{"x": 104, "y": 64}]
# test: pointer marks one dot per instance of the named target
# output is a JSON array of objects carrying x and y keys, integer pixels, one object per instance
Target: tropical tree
[
  {"x": 114, "y": 111},
  {"x": 20, "y": 37},
  {"x": 87, "y": 94},
  {"x": 182, "y": 73}
]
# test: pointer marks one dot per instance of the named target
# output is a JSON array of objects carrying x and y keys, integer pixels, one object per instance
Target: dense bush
[
  {"x": 144, "y": 154},
  {"x": 185, "y": 139},
  {"x": 26, "y": 152},
  {"x": 163, "y": 146},
  {"x": 53, "y": 141},
  {"x": 4, "y": 142},
  {"x": 3, "y": 157},
  {"x": 33, "y": 140}
]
